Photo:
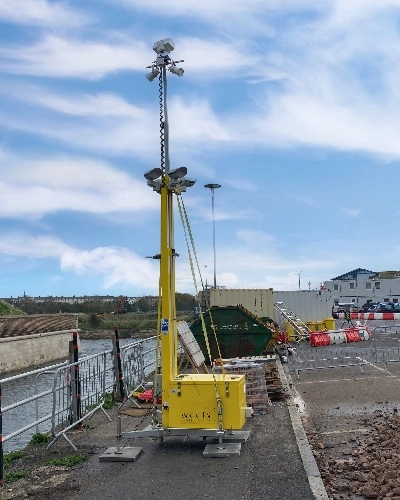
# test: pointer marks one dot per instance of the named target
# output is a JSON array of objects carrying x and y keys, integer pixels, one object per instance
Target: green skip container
[{"x": 238, "y": 331}]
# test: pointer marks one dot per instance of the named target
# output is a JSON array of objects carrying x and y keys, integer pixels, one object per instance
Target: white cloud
[
  {"x": 217, "y": 58},
  {"x": 352, "y": 213},
  {"x": 102, "y": 104},
  {"x": 230, "y": 16},
  {"x": 243, "y": 184},
  {"x": 116, "y": 265},
  {"x": 22, "y": 245},
  {"x": 323, "y": 99},
  {"x": 41, "y": 13},
  {"x": 254, "y": 238},
  {"x": 195, "y": 121},
  {"x": 304, "y": 200},
  {"x": 41, "y": 186},
  {"x": 107, "y": 123},
  {"x": 57, "y": 57}
]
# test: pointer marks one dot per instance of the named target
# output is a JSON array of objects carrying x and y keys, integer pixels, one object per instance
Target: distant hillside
[{"x": 9, "y": 310}]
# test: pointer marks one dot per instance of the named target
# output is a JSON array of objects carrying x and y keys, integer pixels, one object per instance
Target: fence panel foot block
[
  {"x": 222, "y": 450},
  {"x": 128, "y": 454}
]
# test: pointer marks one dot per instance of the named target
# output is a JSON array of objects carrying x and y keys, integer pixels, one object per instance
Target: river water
[{"x": 25, "y": 387}]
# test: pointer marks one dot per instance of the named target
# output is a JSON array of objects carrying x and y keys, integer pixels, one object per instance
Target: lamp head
[
  {"x": 153, "y": 73},
  {"x": 212, "y": 186},
  {"x": 155, "y": 184},
  {"x": 153, "y": 174},
  {"x": 176, "y": 71},
  {"x": 164, "y": 46},
  {"x": 178, "y": 173},
  {"x": 188, "y": 182}
]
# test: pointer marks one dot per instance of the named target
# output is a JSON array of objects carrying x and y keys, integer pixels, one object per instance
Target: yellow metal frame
[{"x": 190, "y": 401}]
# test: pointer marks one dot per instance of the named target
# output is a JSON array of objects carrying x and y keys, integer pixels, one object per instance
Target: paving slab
[{"x": 126, "y": 454}]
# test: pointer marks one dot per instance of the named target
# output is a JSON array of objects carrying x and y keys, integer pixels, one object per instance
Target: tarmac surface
[{"x": 275, "y": 463}]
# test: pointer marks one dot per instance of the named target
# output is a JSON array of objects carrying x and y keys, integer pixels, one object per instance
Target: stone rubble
[{"x": 369, "y": 466}]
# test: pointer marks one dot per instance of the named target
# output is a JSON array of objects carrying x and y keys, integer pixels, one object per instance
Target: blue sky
[{"x": 293, "y": 106}]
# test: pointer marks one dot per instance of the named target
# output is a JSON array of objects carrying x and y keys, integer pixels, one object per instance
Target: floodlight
[
  {"x": 164, "y": 45},
  {"x": 177, "y": 173},
  {"x": 187, "y": 182},
  {"x": 153, "y": 73},
  {"x": 155, "y": 184},
  {"x": 153, "y": 174},
  {"x": 176, "y": 71}
]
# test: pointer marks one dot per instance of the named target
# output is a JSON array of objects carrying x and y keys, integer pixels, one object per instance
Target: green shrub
[
  {"x": 15, "y": 475},
  {"x": 40, "y": 438},
  {"x": 10, "y": 457},
  {"x": 131, "y": 321},
  {"x": 109, "y": 400},
  {"x": 9, "y": 310}
]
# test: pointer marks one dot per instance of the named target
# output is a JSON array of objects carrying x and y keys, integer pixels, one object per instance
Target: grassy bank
[{"x": 134, "y": 322}]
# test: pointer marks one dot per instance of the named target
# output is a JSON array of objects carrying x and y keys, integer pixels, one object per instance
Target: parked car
[
  {"x": 365, "y": 307},
  {"x": 383, "y": 307},
  {"x": 343, "y": 307}
]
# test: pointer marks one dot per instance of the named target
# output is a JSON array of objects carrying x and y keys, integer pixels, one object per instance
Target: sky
[{"x": 293, "y": 106}]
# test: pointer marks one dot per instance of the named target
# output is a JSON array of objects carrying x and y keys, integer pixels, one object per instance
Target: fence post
[
  {"x": 1, "y": 445},
  {"x": 75, "y": 382},
  {"x": 119, "y": 381}
]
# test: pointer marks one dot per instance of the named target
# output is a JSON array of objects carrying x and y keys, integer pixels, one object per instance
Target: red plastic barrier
[
  {"x": 317, "y": 339},
  {"x": 147, "y": 396},
  {"x": 370, "y": 316},
  {"x": 352, "y": 335}
]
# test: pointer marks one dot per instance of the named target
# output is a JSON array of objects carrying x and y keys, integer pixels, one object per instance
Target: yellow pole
[{"x": 169, "y": 339}]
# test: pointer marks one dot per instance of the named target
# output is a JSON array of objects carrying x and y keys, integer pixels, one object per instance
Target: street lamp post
[
  {"x": 213, "y": 187},
  {"x": 299, "y": 273}
]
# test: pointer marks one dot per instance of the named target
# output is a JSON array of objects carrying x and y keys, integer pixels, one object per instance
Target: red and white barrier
[
  {"x": 319, "y": 338},
  {"x": 337, "y": 337},
  {"x": 371, "y": 316},
  {"x": 341, "y": 336}
]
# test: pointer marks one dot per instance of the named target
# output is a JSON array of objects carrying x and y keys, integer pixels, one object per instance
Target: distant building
[
  {"x": 60, "y": 300},
  {"x": 76, "y": 299},
  {"x": 361, "y": 286}
]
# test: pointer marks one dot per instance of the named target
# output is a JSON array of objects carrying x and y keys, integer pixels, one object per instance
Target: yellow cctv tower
[
  {"x": 194, "y": 405},
  {"x": 195, "y": 401}
]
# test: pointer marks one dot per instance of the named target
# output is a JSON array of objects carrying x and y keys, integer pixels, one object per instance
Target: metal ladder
[{"x": 301, "y": 329}]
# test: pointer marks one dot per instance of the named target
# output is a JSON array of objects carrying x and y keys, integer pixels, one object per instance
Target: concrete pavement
[{"x": 276, "y": 463}]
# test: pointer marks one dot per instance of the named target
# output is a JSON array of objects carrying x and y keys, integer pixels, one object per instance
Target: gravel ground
[
  {"x": 353, "y": 425},
  {"x": 55, "y": 482}
]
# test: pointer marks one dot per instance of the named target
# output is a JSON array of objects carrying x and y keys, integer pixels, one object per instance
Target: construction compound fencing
[
  {"x": 57, "y": 398},
  {"x": 383, "y": 349}
]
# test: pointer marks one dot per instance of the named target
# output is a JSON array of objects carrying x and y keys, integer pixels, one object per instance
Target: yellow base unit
[{"x": 192, "y": 402}]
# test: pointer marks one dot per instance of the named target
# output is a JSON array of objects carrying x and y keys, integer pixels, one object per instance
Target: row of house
[
  {"x": 359, "y": 286},
  {"x": 152, "y": 300}
]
